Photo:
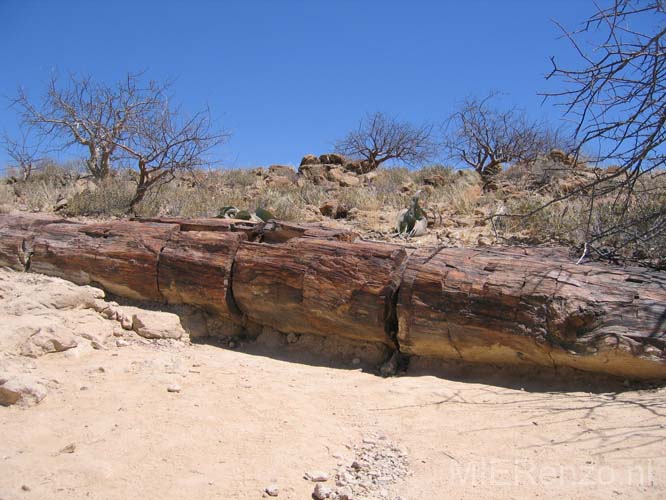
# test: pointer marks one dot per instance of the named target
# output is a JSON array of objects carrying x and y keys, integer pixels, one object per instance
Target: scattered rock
[
  {"x": 21, "y": 389},
  {"x": 356, "y": 361},
  {"x": 272, "y": 491},
  {"x": 282, "y": 171},
  {"x": 173, "y": 388},
  {"x": 322, "y": 492},
  {"x": 157, "y": 325},
  {"x": 436, "y": 180},
  {"x": 334, "y": 209},
  {"x": 292, "y": 338},
  {"x": 25, "y": 487},
  {"x": 317, "y": 476},
  {"x": 279, "y": 181},
  {"x": 378, "y": 464},
  {"x": 332, "y": 159},
  {"x": 48, "y": 340},
  {"x": 407, "y": 187},
  {"x": 70, "y": 448},
  {"x": 122, "y": 343},
  {"x": 309, "y": 160},
  {"x": 390, "y": 367}
]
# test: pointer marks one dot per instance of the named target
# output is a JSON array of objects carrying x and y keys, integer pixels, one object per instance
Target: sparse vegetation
[
  {"x": 380, "y": 138},
  {"x": 129, "y": 122},
  {"x": 483, "y": 137}
]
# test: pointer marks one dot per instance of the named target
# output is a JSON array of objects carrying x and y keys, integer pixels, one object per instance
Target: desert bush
[
  {"x": 428, "y": 172},
  {"x": 7, "y": 197},
  {"x": 236, "y": 178},
  {"x": 46, "y": 186},
  {"x": 284, "y": 204},
  {"x": 586, "y": 217},
  {"x": 107, "y": 197}
]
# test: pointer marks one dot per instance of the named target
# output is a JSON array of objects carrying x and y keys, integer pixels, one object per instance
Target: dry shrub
[
  {"x": 581, "y": 218},
  {"x": 7, "y": 198},
  {"x": 110, "y": 197},
  {"x": 46, "y": 187}
]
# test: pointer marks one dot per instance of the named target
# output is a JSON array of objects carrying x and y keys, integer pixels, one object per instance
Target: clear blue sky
[{"x": 289, "y": 77}]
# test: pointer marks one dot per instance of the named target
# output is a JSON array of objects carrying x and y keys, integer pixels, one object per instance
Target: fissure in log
[
  {"x": 500, "y": 306},
  {"x": 533, "y": 306},
  {"x": 120, "y": 256},
  {"x": 195, "y": 269},
  {"x": 319, "y": 286}
]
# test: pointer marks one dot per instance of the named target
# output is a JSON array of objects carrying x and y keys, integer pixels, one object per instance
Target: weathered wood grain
[
  {"x": 17, "y": 233},
  {"x": 316, "y": 286},
  {"x": 195, "y": 268},
  {"x": 120, "y": 256},
  {"x": 533, "y": 306}
]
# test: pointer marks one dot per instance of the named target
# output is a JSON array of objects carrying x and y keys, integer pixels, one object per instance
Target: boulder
[
  {"x": 309, "y": 160},
  {"x": 49, "y": 340},
  {"x": 281, "y": 170},
  {"x": 278, "y": 181},
  {"x": 21, "y": 389},
  {"x": 157, "y": 325},
  {"x": 332, "y": 159},
  {"x": 344, "y": 179},
  {"x": 436, "y": 180},
  {"x": 334, "y": 209},
  {"x": 313, "y": 173}
]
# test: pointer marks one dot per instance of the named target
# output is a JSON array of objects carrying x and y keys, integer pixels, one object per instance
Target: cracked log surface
[
  {"x": 499, "y": 306},
  {"x": 533, "y": 306},
  {"x": 317, "y": 286}
]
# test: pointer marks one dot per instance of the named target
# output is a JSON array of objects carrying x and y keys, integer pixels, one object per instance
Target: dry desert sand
[{"x": 125, "y": 417}]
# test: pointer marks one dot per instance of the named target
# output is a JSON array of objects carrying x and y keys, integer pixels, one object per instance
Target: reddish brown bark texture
[{"x": 498, "y": 306}]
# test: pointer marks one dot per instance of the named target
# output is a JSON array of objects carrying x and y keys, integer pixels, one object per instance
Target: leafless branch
[{"x": 380, "y": 138}]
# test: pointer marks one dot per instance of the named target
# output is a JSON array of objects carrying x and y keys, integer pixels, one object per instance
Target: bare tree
[
  {"x": 24, "y": 150},
  {"x": 120, "y": 123},
  {"x": 93, "y": 115},
  {"x": 164, "y": 143},
  {"x": 380, "y": 138},
  {"x": 618, "y": 100},
  {"x": 483, "y": 137}
]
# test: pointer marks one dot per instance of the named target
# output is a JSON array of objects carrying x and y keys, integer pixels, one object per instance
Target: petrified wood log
[
  {"x": 319, "y": 286},
  {"x": 16, "y": 236},
  {"x": 120, "y": 256},
  {"x": 273, "y": 231},
  {"x": 500, "y": 306},
  {"x": 249, "y": 228},
  {"x": 280, "y": 232},
  {"x": 533, "y": 306},
  {"x": 195, "y": 269}
]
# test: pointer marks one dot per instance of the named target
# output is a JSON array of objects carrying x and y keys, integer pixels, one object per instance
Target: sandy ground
[{"x": 251, "y": 417}]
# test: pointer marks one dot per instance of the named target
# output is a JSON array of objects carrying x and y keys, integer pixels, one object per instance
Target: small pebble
[
  {"x": 272, "y": 491},
  {"x": 25, "y": 487},
  {"x": 322, "y": 492},
  {"x": 173, "y": 388},
  {"x": 70, "y": 448},
  {"x": 317, "y": 476},
  {"x": 356, "y": 361}
]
